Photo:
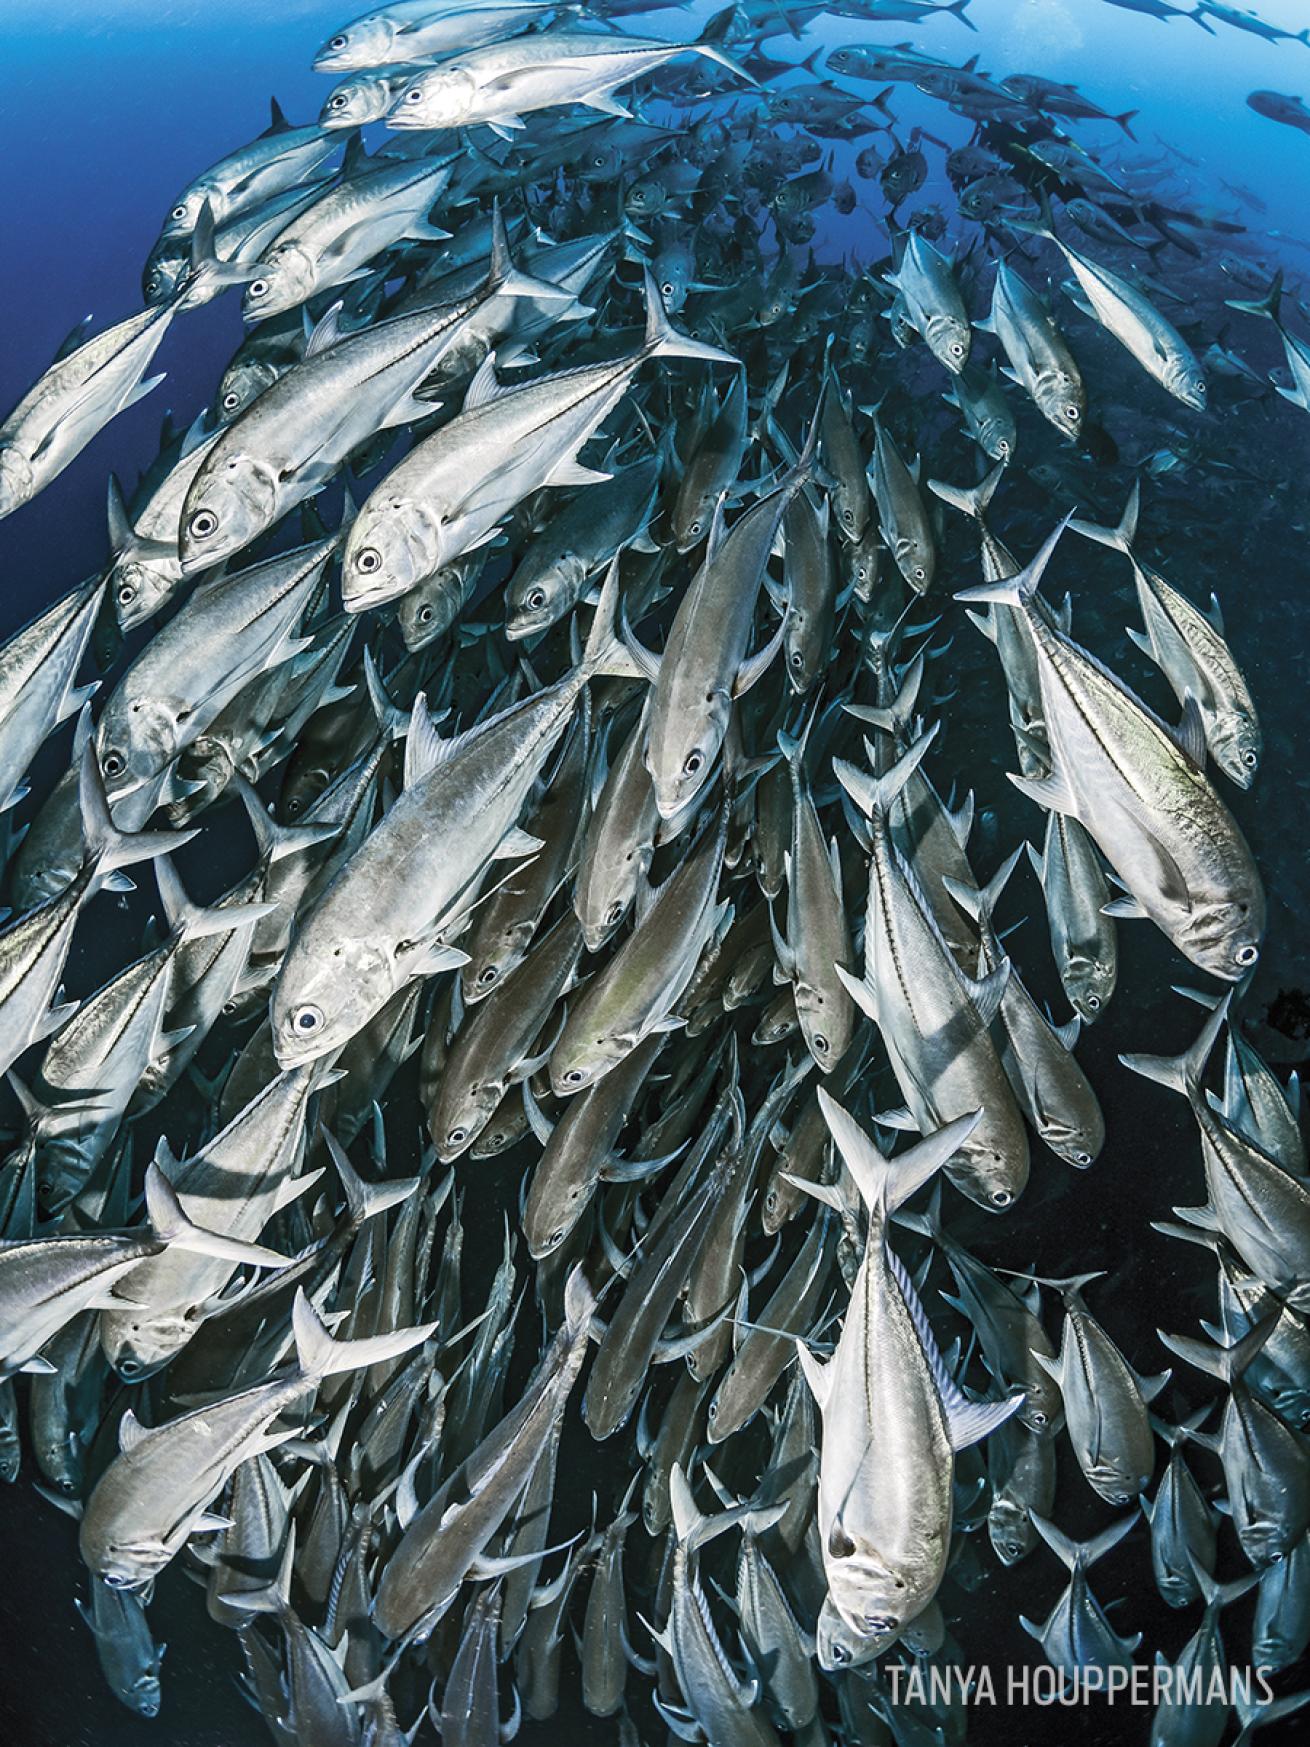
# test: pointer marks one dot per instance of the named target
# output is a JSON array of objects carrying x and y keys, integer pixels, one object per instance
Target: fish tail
[
  {"x": 894, "y": 718},
  {"x": 1227, "y": 1363},
  {"x": 875, "y": 794},
  {"x": 885, "y": 1184},
  {"x": 320, "y": 1356},
  {"x": 171, "y": 1226},
  {"x": 605, "y": 651},
  {"x": 1121, "y": 536},
  {"x": 1017, "y": 591},
  {"x": 970, "y": 500},
  {"x": 1267, "y": 305},
  {"x": 1128, "y": 116},
  {"x": 663, "y": 340},
  {"x": 504, "y": 279},
  {"x": 1082, "y": 1555},
  {"x": 1182, "y": 1073},
  {"x": 1219, "y": 1595},
  {"x": 980, "y": 904},
  {"x": 364, "y": 1200}
]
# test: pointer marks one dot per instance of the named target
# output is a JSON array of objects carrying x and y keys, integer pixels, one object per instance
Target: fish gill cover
[{"x": 656, "y": 948}]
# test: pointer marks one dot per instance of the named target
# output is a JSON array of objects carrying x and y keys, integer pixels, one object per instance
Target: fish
[
  {"x": 892, "y": 1416},
  {"x": 1214, "y": 914}
]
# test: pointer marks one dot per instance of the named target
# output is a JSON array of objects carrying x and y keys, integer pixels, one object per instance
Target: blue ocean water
[{"x": 107, "y": 111}]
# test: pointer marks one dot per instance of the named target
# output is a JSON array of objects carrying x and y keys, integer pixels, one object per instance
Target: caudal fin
[
  {"x": 664, "y": 341},
  {"x": 1121, "y": 536},
  {"x": 320, "y": 1356},
  {"x": 884, "y": 1184},
  {"x": 1182, "y": 1073}
]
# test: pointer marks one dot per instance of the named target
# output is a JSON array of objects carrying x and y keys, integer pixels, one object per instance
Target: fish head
[
  {"x": 232, "y": 500},
  {"x": 286, "y": 278},
  {"x": 839, "y": 1646},
  {"x": 138, "y": 587},
  {"x": 682, "y": 763},
  {"x": 167, "y": 265},
  {"x": 540, "y": 595},
  {"x": 356, "y": 101},
  {"x": 184, "y": 214},
  {"x": 1235, "y": 745},
  {"x": 487, "y": 969},
  {"x": 1223, "y": 935},
  {"x": 554, "y": 1207},
  {"x": 948, "y": 339},
  {"x": 987, "y": 1173},
  {"x": 691, "y": 520},
  {"x": 243, "y": 382},
  {"x": 394, "y": 545},
  {"x": 126, "y": 1564},
  {"x": 138, "y": 738},
  {"x": 330, "y": 987},
  {"x": 59, "y": 1457},
  {"x": 1063, "y": 402},
  {"x": 1010, "y": 1530},
  {"x": 828, "y": 1028},
  {"x": 1089, "y": 982},
  {"x": 506, "y": 1128},
  {"x": 428, "y": 611},
  {"x": 445, "y": 97},
  {"x": 916, "y": 562},
  {"x": 1185, "y": 379},
  {"x": 10, "y": 1458},
  {"x": 586, "y": 1059},
  {"x": 143, "y": 1695},
  {"x": 368, "y": 42},
  {"x": 139, "y": 1346},
  {"x": 602, "y": 904},
  {"x": 17, "y": 482},
  {"x": 461, "y": 1113}
]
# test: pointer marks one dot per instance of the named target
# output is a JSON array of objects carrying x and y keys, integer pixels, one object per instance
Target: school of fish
[{"x": 598, "y": 1064}]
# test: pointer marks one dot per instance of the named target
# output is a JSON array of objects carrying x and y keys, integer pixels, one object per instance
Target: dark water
[{"x": 104, "y": 114}]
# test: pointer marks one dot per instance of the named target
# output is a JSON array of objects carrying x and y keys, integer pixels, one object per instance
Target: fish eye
[
  {"x": 413, "y": 95},
  {"x": 1072, "y": 412},
  {"x": 840, "y": 1653},
  {"x": 573, "y": 1077},
  {"x": 113, "y": 764},
  {"x": 126, "y": 595},
  {"x": 425, "y": 614},
  {"x": 957, "y": 350},
  {"x": 797, "y": 659},
  {"x": 258, "y": 288},
  {"x": 695, "y": 761},
  {"x": 537, "y": 599},
  {"x": 338, "y": 42},
  {"x": 614, "y": 914},
  {"x": 307, "y": 1018},
  {"x": 694, "y": 529},
  {"x": 1001, "y": 1197},
  {"x": 1249, "y": 760},
  {"x": 369, "y": 560},
  {"x": 179, "y": 211},
  {"x": 1094, "y": 1002},
  {"x": 128, "y": 1367},
  {"x": 821, "y": 1044},
  {"x": 1247, "y": 955},
  {"x": 336, "y": 103},
  {"x": 1082, "y": 1159},
  {"x": 919, "y": 573},
  {"x": 457, "y": 1136},
  {"x": 1038, "y": 1417},
  {"x": 203, "y": 524},
  {"x": 231, "y": 399},
  {"x": 881, "y": 1622},
  {"x": 848, "y": 515},
  {"x": 667, "y": 288},
  {"x": 488, "y": 976}
]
